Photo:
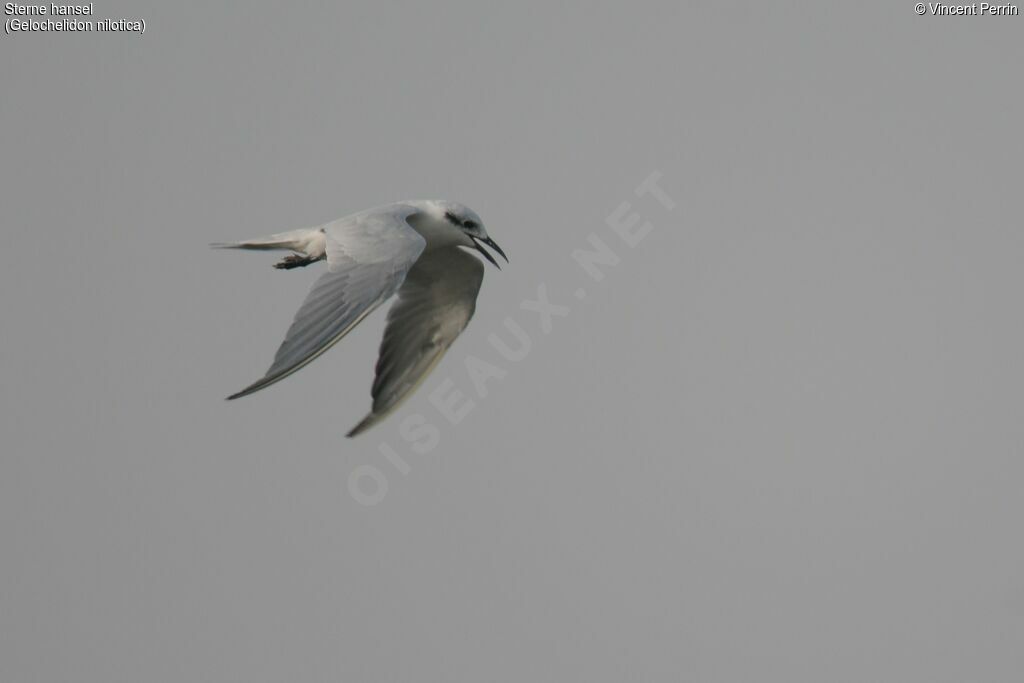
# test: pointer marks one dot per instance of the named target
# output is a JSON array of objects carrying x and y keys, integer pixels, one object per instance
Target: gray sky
[{"x": 780, "y": 440}]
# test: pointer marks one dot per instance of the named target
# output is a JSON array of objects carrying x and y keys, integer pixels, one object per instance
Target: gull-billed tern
[{"x": 411, "y": 248}]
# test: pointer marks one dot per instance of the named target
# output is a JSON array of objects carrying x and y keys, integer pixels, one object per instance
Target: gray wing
[
  {"x": 368, "y": 256},
  {"x": 434, "y": 305}
]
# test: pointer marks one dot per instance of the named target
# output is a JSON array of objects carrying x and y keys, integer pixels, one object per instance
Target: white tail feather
[{"x": 308, "y": 241}]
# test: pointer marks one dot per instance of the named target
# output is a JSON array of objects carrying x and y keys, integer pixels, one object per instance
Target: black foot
[{"x": 294, "y": 261}]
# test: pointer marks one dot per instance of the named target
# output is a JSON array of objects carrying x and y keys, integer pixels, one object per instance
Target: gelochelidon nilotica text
[{"x": 410, "y": 248}]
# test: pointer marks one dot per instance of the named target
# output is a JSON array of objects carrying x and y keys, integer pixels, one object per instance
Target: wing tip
[
  {"x": 252, "y": 388},
  {"x": 363, "y": 425}
]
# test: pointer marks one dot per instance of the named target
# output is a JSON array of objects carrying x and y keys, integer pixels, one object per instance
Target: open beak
[{"x": 493, "y": 245}]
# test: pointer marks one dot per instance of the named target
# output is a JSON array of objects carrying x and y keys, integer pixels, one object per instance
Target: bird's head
[
  {"x": 471, "y": 232},
  {"x": 466, "y": 219}
]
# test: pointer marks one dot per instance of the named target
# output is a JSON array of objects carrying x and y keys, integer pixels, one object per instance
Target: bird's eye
[{"x": 470, "y": 224}]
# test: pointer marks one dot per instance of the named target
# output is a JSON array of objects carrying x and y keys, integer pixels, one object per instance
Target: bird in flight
[{"x": 411, "y": 249}]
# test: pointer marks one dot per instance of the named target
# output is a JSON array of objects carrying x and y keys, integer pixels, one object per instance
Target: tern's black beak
[{"x": 493, "y": 245}]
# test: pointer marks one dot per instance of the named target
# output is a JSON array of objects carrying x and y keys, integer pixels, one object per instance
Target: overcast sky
[{"x": 780, "y": 439}]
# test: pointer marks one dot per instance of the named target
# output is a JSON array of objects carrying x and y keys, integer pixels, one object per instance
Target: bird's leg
[{"x": 294, "y": 261}]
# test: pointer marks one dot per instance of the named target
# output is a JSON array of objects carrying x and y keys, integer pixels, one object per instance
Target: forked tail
[{"x": 309, "y": 245}]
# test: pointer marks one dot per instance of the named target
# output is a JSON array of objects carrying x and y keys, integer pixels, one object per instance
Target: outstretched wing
[
  {"x": 434, "y": 305},
  {"x": 368, "y": 256}
]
